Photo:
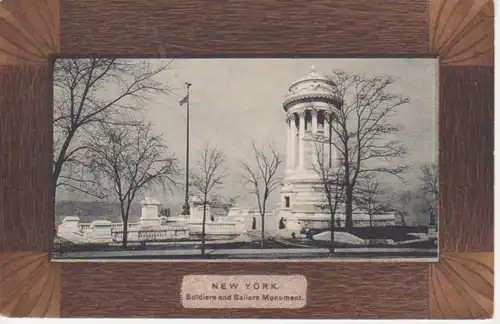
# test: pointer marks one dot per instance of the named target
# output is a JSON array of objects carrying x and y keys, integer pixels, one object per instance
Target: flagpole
[{"x": 186, "y": 208}]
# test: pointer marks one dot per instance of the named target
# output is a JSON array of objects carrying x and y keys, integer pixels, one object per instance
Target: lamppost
[{"x": 185, "y": 100}]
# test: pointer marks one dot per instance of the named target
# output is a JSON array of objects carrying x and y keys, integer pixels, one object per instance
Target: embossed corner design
[
  {"x": 461, "y": 32},
  {"x": 29, "y": 31},
  {"x": 461, "y": 286},
  {"x": 29, "y": 285}
]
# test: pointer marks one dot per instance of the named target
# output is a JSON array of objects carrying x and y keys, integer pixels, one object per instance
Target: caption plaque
[{"x": 252, "y": 291}]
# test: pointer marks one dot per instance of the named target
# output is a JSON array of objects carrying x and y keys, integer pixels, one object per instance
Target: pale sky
[{"x": 235, "y": 102}]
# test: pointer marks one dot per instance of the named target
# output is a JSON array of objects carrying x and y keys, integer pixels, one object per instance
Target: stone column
[
  {"x": 314, "y": 128},
  {"x": 287, "y": 161},
  {"x": 293, "y": 142},
  {"x": 314, "y": 115},
  {"x": 288, "y": 143},
  {"x": 334, "y": 126},
  {"x": 326, "y": 132},
  {"x": 302, "y": 130}
]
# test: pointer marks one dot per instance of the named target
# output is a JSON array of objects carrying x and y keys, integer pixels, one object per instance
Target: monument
[
  {"x": 149, "y": 213},
  {"x": 309, "y": 105}
]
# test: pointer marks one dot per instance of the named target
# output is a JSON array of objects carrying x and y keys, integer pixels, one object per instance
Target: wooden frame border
[{"x": 460, "y": 285}]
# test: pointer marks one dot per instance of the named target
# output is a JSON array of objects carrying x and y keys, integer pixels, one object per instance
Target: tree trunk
[
  {"x": 125, "y": 224},
  {"x": 58, "y": 165},
  {"x": 125, "y": 234},
  {"x": 348, "y": 208},
  {"x": 55, "y": 175},
  {"x": 54, "y": 189},
  {"x": 262, "y": 232},
  {"x": 332, "y": 233},
  {"x": 203, "y": 225}
]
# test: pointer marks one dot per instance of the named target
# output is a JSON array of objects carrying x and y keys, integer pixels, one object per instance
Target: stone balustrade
[
  {"x": 151, "y": 227},
  {"x": 227, "y": 228},
  {"x": 151, "y": 235},
  {"x": 83, "y": 227},
  {"x": 115, "y": 227}
]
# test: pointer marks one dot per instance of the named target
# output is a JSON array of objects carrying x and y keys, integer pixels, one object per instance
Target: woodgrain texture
[
  {"x": 466, "y": 159},
  {"x": 335, "y": 290},
  {"x": 461, "y": 286},
  {"x": 459, "y": 31},
  {"x": 29, "y": 31},
  {"x": 29, "y": 285},
  {"x": 244, "y": 28},
  {"x": 26, "y": 208}
]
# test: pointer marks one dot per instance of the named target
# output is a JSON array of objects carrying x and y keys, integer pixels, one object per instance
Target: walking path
[
  {"x": 243, "y": 253},
  {"x": 185, "y": 243},
  {"x": 191, "y": 252}
]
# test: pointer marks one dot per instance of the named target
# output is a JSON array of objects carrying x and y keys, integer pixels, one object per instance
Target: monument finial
[{"x": 313, "y": 69}]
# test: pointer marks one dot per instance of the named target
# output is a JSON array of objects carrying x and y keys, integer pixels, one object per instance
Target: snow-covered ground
[{"x": 340, "y": 237}]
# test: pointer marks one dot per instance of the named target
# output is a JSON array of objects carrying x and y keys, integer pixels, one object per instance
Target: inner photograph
[{"x": 254, "y": 159}]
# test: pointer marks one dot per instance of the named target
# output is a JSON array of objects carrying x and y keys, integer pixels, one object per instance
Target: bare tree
[
  {"x": 332, "y": 182},
  {"x": 372, "y": 198},
  {"x": 430, "y": 184},
  {"x": 209, "y": 174},
  {"x": 91, "y": 91},
  {"x": 125, "y": 161},
  {"x": 263, "y": 178},
  {"x": 362, "y": 132},
  {"x": 413, "y": 206},
  {"x": 403, "y": 201}
]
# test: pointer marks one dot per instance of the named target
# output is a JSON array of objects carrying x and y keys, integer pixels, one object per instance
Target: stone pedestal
[
  {"x": 99, "y": 232},
  {"x": 149, "y": 213},
  {"x": 196, "y": 212},
  {"x": 69, "y": 224},
  {"x": 148, "y": 223}
]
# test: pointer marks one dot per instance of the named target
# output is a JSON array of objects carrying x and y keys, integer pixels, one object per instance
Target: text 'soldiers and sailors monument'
[{"x": 309, "y": 105}]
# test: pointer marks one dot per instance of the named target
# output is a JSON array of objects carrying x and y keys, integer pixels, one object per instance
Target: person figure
[
  {"x": 282, "y": 223},
  {"x": 432, "y": 219},
  {"x": 254, "y": 223},
  {"x": 308, "y": 232}
]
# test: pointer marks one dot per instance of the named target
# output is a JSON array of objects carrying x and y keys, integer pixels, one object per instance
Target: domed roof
[
  {"x": 315, "y": 86},
  {"x": 312, "y": 76}
]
